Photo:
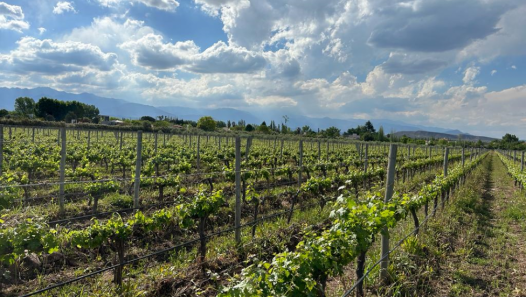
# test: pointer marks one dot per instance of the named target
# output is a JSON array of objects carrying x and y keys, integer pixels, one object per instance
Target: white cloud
[
  {"x": 470, "y": 74},
  {"x": 12, "y": 18},
  {"x": 12, "y": 11},
  {"x": 269, "y": 101},
  {"x": 63, "y": 6},
  {"x": 167, "y": 5},
  {"x": 513, "y": 67},
  {"x": 493, "y": 72},
  {"x": 108, "y": 33},
  {"x": 151, "y": 52},
  {"x": 223, "y": 58},
  {"x": 41, "y": 30},
  {"x": 48, "y": 57}
]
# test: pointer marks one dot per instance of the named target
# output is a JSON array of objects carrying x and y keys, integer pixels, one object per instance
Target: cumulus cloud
[
  {"x": 46, "y": 56},
  {"x": 41, "y": 30},
  {"x": 167, "y": 5},
  {"x": 108, "y": 33},
  {"x": 222, "y": 58},
  {"x": 470, "y": 74},
  {"x": 12, "y": 18},
  {"x": 151, "y": 52},
  {"x": 63, "y": 6}
]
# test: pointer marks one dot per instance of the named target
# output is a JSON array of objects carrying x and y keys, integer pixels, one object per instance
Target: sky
[{"x": 458, "y": 64}]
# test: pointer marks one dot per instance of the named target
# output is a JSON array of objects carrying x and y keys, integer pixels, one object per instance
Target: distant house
[
  {"x": 116, "y": 122},
  {"x": 105, "y": 120}
]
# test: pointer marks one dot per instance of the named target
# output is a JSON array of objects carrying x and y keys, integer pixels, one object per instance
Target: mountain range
[
  {"x": 437, "y": 135},
  {"x": 124, "y": 109}
]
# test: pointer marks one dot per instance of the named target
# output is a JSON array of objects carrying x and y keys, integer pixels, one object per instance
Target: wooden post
[
  {"x": 445, "y": 196},
  {"x": 446, "y": 156},
  {"x": 137, "y": 183},
  {"x": 522, "y": 162},
  {"x": 389, "y": 189},
  {"x": 327, "y": 152},
  {"x": 155, "y": 142},
  {"x": 281, "y": 150},
  {"x": 89, "y": 138},
  {"x": 463, "y": 159},
  {"x": 198, "y": 157},
  {"x": 33, "y": 134},
  {"x": 365, "y": 163},
  {"x": 62, "y": 169},
  {"x": 319, "y": 150},
  {"x": 300, "y": 164},
  {"x": 238, "y": 190}
]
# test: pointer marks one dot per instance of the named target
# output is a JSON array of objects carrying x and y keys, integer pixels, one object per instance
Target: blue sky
[{"x": 451, "y": 63}]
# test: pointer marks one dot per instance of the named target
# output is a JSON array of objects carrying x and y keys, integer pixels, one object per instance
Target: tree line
[{"x": 50, "y": 109}]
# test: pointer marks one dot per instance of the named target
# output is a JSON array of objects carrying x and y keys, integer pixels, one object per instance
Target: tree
[
  {"x": 510, "y": 138},
  {"x": 332, "y": 132},
  {"x": 70, "y": 116},
  {"x": 263, "y": 128},
  {"x": 381, "y": 135},
  {"x": 305, "y": 129},
  {"x": 25, "y": 106},
  {"x": 229, "y": 124},
  {"x": 3, "y": 113},
  {"x": 206, "y": 123},
  {"x": 369, "y": 127},
  {"x": 220, "y": 124},
  {"x": 59, "y": 109},
  {"x": 249, "y": 128},
  {"x": 367, "y": 136},
  {"x": 148, "y": 118}
]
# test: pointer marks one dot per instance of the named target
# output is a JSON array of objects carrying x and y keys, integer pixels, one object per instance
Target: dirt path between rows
[{"x": 488, "y": 253}]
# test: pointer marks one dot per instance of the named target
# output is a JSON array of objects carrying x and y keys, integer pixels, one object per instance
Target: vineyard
[{"x": 102, "y": 213}]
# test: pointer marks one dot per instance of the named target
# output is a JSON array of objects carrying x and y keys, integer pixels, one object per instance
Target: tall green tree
[
  {"x": 510, "y": 138},
  {"x": 25, "y": 106},
  {"x": 332, "y": 132},
  {"x": 206, "y": 123},
  {"x": 369, "y": 127},
  {"x": 381, "y": 134},
  {"x": 59, "y": 109}
]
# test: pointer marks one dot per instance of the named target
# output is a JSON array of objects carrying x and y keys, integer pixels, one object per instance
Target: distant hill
[
  {"x": 124, "y": 109},
  {"x": 436, "y": 135}
]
